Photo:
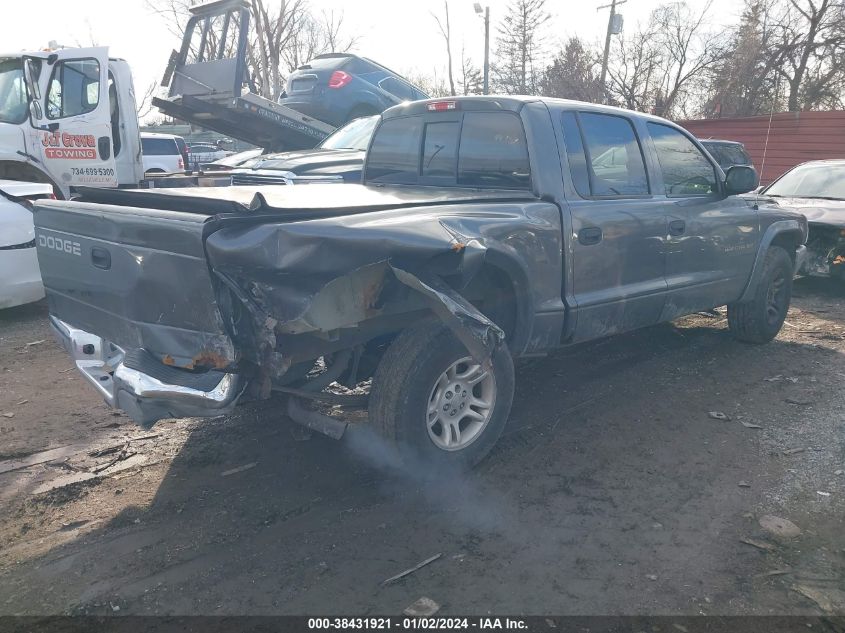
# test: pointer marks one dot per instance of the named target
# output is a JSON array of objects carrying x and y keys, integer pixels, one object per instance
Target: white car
[
  {"x": 162, "y": 153},
  {"x": 20, "y": 277}
]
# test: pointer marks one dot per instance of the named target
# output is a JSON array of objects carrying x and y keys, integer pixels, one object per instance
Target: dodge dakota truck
[{"x": 485, "y": 229}]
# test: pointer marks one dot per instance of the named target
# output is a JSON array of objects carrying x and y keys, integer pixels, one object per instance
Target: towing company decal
[{"x": 73, "y": 146}]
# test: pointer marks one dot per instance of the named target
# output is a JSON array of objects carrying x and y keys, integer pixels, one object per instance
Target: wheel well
[
  {"x": 789, "y": 241},
  {"x": 492, "y": 291},
  {"x": 13, "y": 170}
]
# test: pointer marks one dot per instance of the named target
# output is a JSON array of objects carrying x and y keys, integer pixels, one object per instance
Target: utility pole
[
  {"x": 612, "y": 28},
  {"x": 486, "y": 12}
]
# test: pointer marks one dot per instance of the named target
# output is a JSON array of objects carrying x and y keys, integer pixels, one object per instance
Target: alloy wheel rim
[{"x": 460, "y": 404}]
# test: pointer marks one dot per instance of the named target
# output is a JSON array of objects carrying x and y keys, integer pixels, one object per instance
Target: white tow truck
[{"x": 68, "y": 118}]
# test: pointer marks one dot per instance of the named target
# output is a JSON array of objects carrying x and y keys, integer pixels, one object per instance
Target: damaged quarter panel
[{"x": 333, "y": 273}]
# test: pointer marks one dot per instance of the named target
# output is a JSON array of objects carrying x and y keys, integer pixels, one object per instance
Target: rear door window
[
  {"x": 615, "y": 162},
  {"x": 159, "y": 146},
  {"x": 397, "y": 88},
  {"x": 733, "y": 155},
  {"x": 576, "y": 155},
  {"x": 686, "y": 170}
]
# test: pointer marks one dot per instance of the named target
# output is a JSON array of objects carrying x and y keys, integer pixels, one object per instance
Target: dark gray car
[
  {"x": 486, "y": 229},
  {"x": 727, "y": 153},
  {"x": 339, "y": 158},
  {"x": 817, "y": 189}
]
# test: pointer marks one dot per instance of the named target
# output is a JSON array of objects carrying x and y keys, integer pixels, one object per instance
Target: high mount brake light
[
  {"x": 339, "y": 79},
  {"x": 442, "y": 106}
]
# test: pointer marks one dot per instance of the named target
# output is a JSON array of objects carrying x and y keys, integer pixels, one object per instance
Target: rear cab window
[
  {"x": 465, "y": 149},
  {"x": 728, "y": 155}
]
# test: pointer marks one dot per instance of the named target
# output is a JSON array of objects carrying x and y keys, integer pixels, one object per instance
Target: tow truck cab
[{"x": 68, "y": 118}]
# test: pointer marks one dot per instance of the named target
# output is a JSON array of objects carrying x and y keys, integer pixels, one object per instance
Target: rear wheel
[
  {"x": 436, "y": 402},
  {"x": 760, "y": 319}
]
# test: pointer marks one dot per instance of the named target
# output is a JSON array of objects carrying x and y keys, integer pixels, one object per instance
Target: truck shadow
[{"x": 606, "y": 441}]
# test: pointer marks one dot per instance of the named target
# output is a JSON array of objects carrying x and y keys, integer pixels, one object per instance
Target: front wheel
[
  {"x": 436, "y": 402},
  {"x": 760, "y": 319}
]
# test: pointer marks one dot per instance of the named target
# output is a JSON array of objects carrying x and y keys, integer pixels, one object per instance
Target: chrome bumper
[{"x": 144, "y": 398}]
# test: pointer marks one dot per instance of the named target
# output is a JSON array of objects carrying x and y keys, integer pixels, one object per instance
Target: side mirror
[
  {"x": 35, "y": 112},
  {"x": 741, "y": 179},
  {"x": 31, "y": 78}
]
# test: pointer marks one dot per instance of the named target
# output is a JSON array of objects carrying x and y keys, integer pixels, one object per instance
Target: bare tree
[
  {"x": 433, "y": 85},
  {"x": 334, "y": 40},
  {"x": 688, "y": 51},
  {"x": 446, "y": 32},
  {"x": 276, "y": 32},
  {"x": 316, "y": 36},
  {"x": 144, "y": 105},
  {"x": 635, "y": 69},
  {"x": 174, "y": 14},
  {"x": 745, "y": 82},
  {"x": 519, "y": 48},
  {"x": 664, "y": 66},
  {"x": 809, "y": 41}
]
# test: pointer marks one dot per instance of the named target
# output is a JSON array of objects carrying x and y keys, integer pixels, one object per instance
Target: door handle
[
  {"x": 589, "y": 235},
  {"x": 677, "y": 227},
  {"x": 101, "y": 258},
  {"x": 104, "y": 147}
]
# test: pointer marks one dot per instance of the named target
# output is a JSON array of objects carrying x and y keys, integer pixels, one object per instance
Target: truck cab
[{"x": 68, "y": 118}]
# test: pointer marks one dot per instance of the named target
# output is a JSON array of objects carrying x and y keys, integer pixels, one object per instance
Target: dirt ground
[{"x": 612, "y": 492}]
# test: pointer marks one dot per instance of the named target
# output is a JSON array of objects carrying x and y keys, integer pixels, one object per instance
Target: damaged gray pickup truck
[{"x": 486, "y": 229}]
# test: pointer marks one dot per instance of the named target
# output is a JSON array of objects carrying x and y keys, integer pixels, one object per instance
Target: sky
[{"x": 401, "y": 34}]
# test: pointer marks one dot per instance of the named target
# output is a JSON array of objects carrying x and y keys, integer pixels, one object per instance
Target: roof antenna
[{"x": 766, "y": 145}]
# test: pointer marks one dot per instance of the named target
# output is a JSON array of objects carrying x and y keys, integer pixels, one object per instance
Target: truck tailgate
[{"x": 136, "y": 277}]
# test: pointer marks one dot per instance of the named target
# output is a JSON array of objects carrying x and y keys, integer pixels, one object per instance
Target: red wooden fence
[{"x": 794, "y": 137}]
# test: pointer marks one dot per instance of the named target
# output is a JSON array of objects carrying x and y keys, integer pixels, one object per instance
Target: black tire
[
  {"x": 359, "y": 111},
  {"x": 405, "y": 382},
  {"x": 760, "y": 319}
]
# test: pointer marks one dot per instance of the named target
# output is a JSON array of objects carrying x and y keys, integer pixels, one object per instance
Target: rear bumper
[{"x": 146, "y": 398}]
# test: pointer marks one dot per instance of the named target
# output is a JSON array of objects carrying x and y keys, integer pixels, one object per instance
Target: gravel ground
[{"x": 614, "y": 491}]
